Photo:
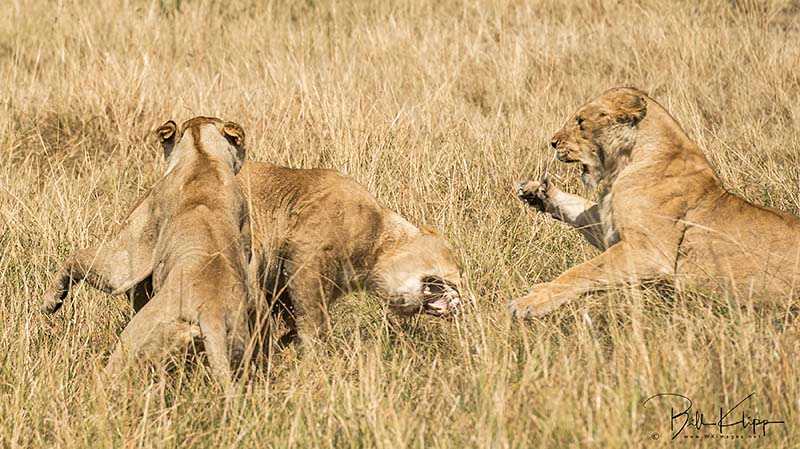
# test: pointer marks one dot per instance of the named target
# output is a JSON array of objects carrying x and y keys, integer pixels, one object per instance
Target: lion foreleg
[
  {"x": 217, "y": 350},
  {"x": 226, "y": 336},
  {"x": 618, "y": 266},
  {"x": 574, "y": 210},
  {"x": 113, "y": 267}
]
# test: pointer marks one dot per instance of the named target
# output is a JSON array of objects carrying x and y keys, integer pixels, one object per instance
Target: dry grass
[{"x": 437, "y": 107}]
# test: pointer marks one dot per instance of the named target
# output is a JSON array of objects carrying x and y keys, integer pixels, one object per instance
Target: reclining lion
[
  {"x": 663, "y": 212},
  {"x": 189, "y": 234},
  {"x": 318, "y": 234}
]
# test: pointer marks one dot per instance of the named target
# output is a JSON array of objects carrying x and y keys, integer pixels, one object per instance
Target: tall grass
[{"x": 437, "y": 107}]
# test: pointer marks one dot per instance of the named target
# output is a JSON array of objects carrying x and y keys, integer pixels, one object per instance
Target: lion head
[
  {"x": 421, "y": 275},
  {"x": 224, "y": 140},
  {"x": 601, "y": 132}
]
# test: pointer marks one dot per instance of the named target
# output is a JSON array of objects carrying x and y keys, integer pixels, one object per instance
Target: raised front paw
[
  {"x": 535, "y": 193},
  {"x": 538, "y": 302}
]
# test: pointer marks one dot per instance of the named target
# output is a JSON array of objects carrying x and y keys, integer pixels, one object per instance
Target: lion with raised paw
[{"x": 663, "y": 212}]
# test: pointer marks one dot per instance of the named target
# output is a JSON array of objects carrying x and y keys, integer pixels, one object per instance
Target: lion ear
[
  {"x": 234, "y": 133},
  {"x": 630, "y": 107},
  {"x": 168, "y": 135}
]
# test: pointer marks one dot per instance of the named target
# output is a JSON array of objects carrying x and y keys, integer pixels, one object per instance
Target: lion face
[
  {"x": 600, "y": 131},
  {"x": 422, "y": 277}
]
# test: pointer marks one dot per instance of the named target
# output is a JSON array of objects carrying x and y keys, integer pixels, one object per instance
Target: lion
[
  {"x": 318, "y": 234},
  {"x": 189, "y": 236},
  {"x": 663, "y": 212}
]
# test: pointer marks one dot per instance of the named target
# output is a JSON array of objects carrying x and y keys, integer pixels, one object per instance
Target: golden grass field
[{"x": 436, "y": 107}]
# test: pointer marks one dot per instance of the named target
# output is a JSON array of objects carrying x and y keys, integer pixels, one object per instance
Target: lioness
[
  {"x": 663, "y": 211},
  {"x": 190, "y": 235},
  {"x": 317, "y": 233}
]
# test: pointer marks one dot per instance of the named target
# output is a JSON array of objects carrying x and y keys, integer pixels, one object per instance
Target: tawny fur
[
  {"x": 189, "y": 236},
  {"x": 317, "y": 234},
  {"x": 663, "y": 211}
]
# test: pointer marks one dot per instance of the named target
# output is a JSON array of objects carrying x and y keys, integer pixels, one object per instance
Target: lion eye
[{"x": 580, "y": 122}]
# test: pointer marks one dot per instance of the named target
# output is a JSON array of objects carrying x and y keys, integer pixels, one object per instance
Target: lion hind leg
[
  {"x": 311, "y": 290},
  {"x": 225, "y": 339},
  {"x": 152, "y": 335}
]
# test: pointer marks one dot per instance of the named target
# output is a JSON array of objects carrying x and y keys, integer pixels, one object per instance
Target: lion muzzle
[{"x": 441, "y": 298}]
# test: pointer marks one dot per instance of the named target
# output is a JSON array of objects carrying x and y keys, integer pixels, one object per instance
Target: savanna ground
[{"x": 437, "y": 107}]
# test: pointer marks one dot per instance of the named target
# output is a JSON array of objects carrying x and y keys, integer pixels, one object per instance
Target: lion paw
[
  {"x": 535, "y": 193},
  {"x": 537, "y": 303},
  {"x": 51, "y": 303}
]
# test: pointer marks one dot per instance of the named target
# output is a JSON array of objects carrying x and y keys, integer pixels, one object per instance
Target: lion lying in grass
[
  {"x": 663, "y": 212},
  {"x": 317, "y": 234},
  {"x": 190, "y": 235}
]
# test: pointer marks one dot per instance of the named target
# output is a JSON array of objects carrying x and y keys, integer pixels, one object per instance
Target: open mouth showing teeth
[
  {"x": 442, "y": 306},
  {"x": 441, "y": 299}
]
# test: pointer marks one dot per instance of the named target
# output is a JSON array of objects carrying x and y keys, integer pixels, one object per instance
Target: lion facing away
[
  {"x": 318, "y": 234},
  {"x": 189, "y": 235},
  {"x": 663, "y": 211}
]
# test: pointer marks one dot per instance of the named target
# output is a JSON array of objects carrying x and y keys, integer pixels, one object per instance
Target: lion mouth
[
  {"x": 563, "y": 155},
  {"x": 441, "y": 297},
  {"x": 441, "y": 306},
  {"x": 436, "y": 296},
  {"x": 438, "y": 306}
]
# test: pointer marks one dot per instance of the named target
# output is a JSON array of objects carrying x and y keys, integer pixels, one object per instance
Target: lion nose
[{"x": 554, "y": 144}]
